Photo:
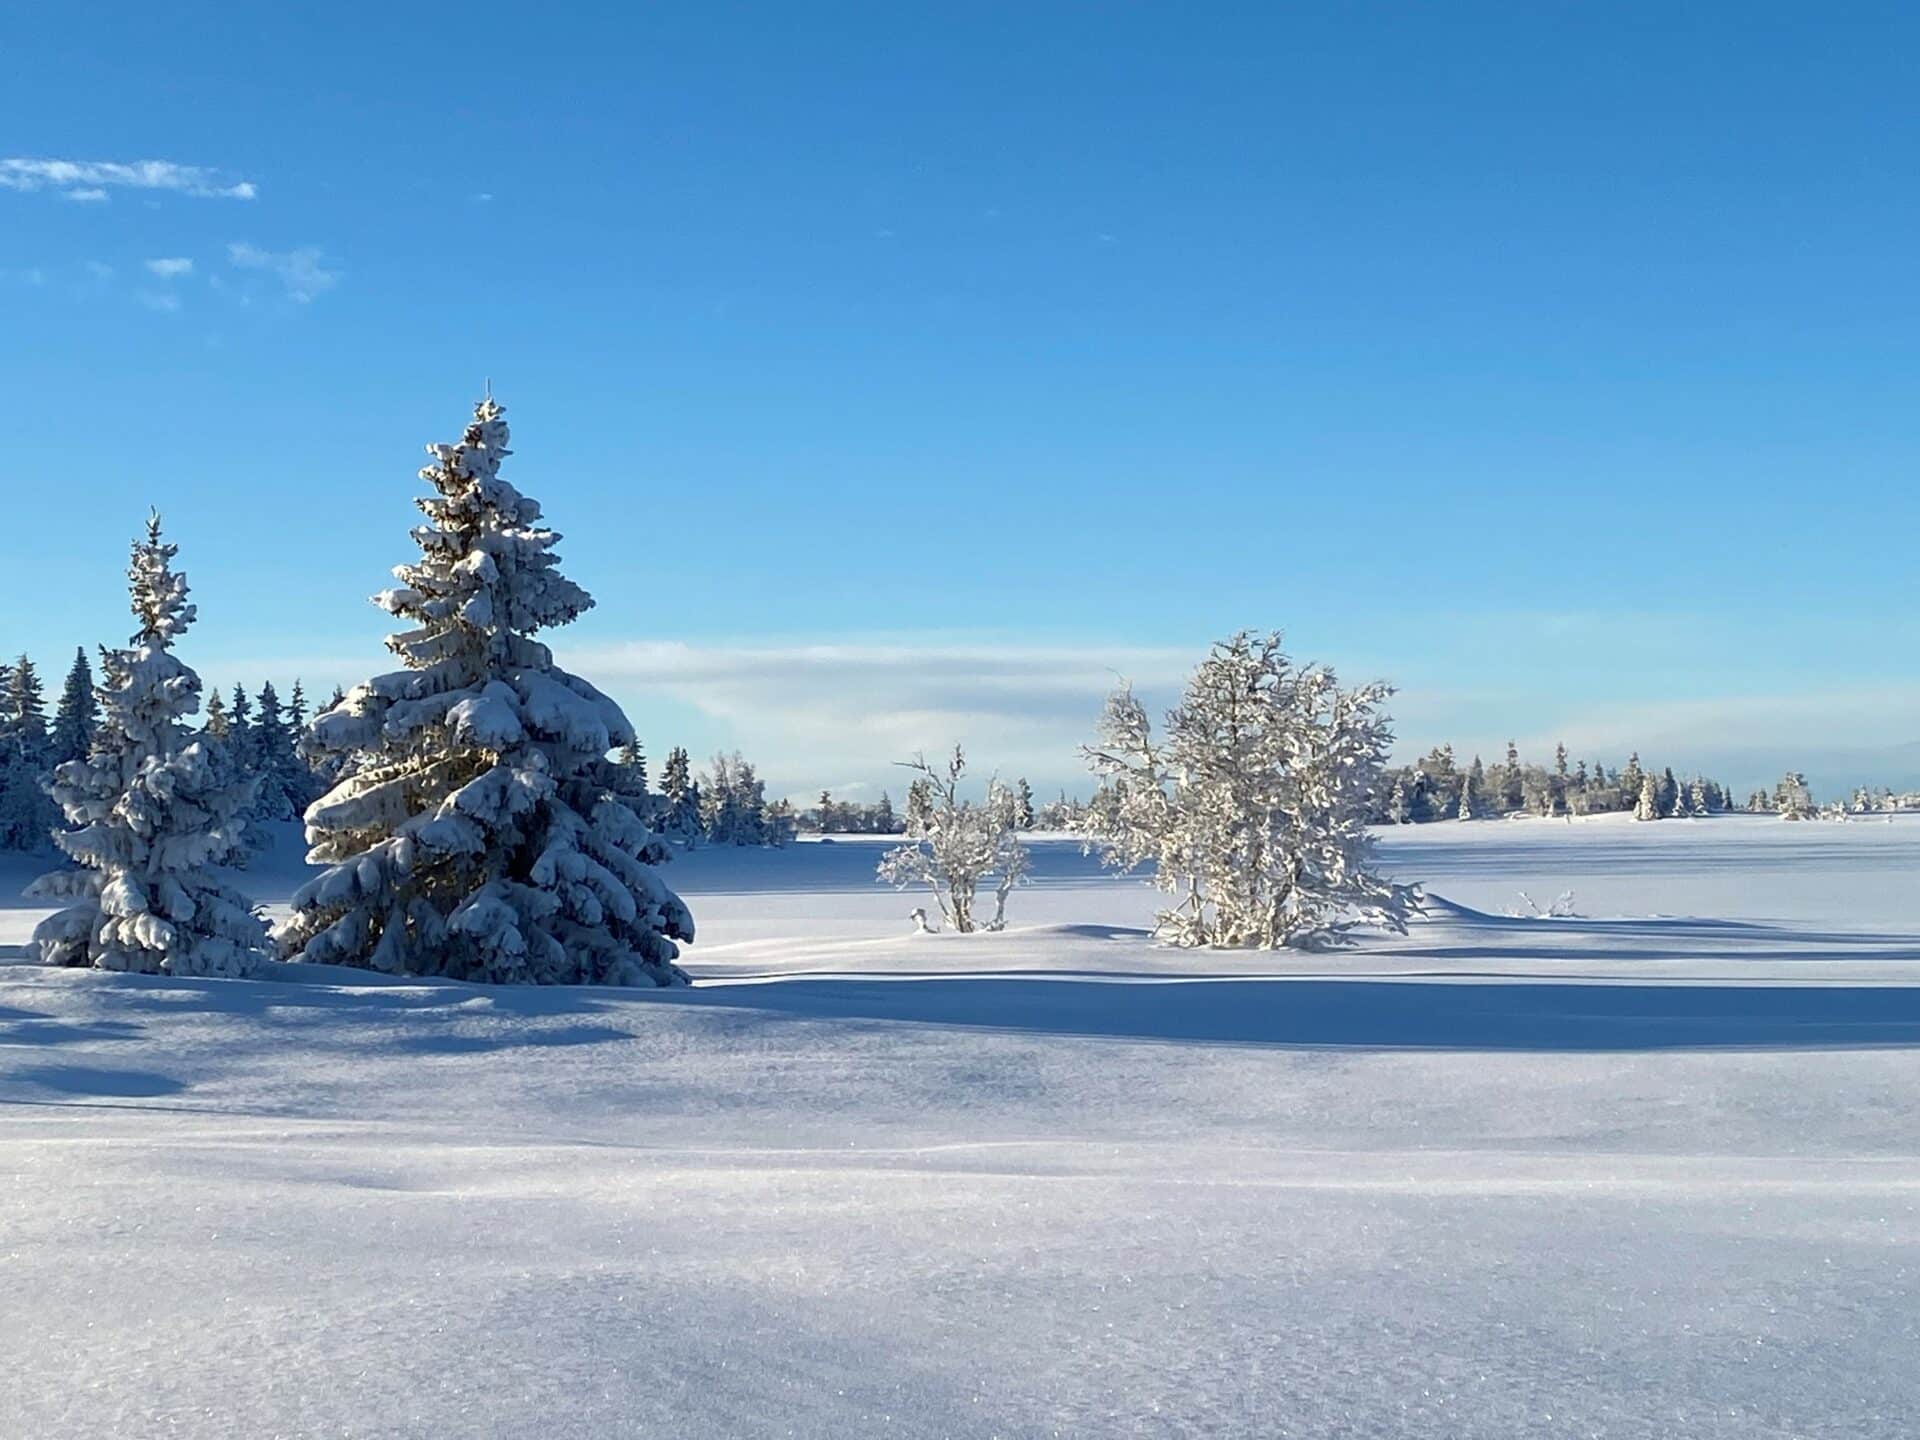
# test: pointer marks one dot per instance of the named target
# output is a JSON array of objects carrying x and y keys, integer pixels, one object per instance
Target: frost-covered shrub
[
  {"x": 1254, "y": 807},
  {"x": 954, "y": 846},
  {"x": 480, "y": 830},
  {"x": 150, "y": 812}
]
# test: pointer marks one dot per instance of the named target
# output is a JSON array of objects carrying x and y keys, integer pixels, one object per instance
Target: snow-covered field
[{"x": 1651, "y": 1173}]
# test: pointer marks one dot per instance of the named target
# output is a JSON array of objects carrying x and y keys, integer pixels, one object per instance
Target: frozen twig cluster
[{"x": 955, "y": 847}]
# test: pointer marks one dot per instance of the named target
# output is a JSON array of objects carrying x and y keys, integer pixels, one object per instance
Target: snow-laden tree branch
[
  {"x": 1253, "y": 809},
  {"x": 480, "y": 830},
  {"x": 955, "y": 846},
  {"x": 150, "y": 811}
]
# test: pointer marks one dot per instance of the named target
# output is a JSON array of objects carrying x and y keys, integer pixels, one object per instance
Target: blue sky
[{"x": 899, "y": 373}]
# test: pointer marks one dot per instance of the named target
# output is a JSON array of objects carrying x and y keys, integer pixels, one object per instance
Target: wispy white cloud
[
  {"x": 91, "y": 180},
  {"x": 302, "y": 272},
  {"x": 1861, "y": 716},
  {"x": 816, "y": 714},
  {"x": 170, "y": 267},
  {"x": 164, "y": 301}
]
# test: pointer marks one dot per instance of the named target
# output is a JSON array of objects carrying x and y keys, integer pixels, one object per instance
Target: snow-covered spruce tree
[
  {"x": 1466, "y": 799},
  {"x": 1253, "y": 808},
  {"x": 681, "y": 818},
  {"x": 216, "y": 727},
  {"x": 477, "y": 832},
  {"x": 240, "y": 730},
  {"x": 27, "y": 817},
  {"x": 26, "y": 709},
  {"x": 1632, "y": 776},
  {"x": 150, "y": 812},
  {"x": 78, "y": 712},
  {"x": 633, "y": 761},
  {"x": 783, "y": 826},
  {"x": 284, "y": 778},
  {"x": 954, "y": 846},
  {"x": 733, "y": 802},
  {"x": 1647, "y": 807},
  {"x": 1793, "y": 798},
  {"x": 920, "y": 803}
]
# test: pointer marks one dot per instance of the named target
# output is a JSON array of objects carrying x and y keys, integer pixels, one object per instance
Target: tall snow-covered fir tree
[
  {"x": 477, "y": 831},
  {"x": 150, "y": 812}
]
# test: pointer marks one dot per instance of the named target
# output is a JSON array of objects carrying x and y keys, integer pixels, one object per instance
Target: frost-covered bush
[
  {"x": 150, "y": 812},
  {"x": 954, "y": 846},
  {"x": 480, "y": 830},
  {"x": 1253, "y": 808}
]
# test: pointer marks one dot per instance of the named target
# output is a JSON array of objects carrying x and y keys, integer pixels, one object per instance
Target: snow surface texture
[{"x": 1653, "y": 1173}]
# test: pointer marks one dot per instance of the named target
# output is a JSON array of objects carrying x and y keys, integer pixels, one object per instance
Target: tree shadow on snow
[
  {"x": 1365, "y": 1013},
  {"x": 27, "y": 1027},
  {"x": 92, "y": 1080},
  {"x": 1674, "y": 927},
  {"x": 1414, "y": 857}
]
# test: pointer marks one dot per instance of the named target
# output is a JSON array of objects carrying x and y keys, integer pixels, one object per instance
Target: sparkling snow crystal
[{"x": 479, "y": 830}]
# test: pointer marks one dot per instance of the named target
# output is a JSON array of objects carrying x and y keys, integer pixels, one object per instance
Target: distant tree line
[
  {"x": 1437, "y": 787},
  {"x": 249, "y": 736},
  {"x": 845, "y": 817}
]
